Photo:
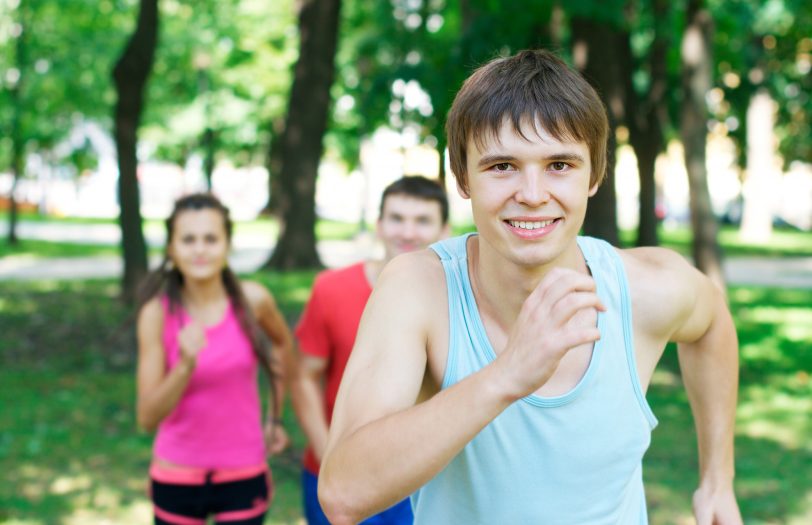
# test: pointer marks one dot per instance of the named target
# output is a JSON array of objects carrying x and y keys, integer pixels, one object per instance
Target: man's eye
[
  {"x": 559, "y": 166},
  {"x": 502, "y": 166}
]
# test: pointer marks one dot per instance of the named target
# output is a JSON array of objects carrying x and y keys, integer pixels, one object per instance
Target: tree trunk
[
  {"x": 594, "y": 45},
  {"x": 646, "y": 153},
  {"x": 208, "y": 156},
  {"x": 760, "y": 184},
  {"x": 130, "y": 75},
  {"x": 696, "y": 82},
  {"x": 645, "y": 117},
  {"x": 274, "y": 165},
  {"x": 17, "y": 135},
  {"x": 304, "y": 130},
  {"x": 442, "y": 144}
]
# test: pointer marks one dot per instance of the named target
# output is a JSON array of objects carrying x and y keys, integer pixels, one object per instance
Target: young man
[
  {"x": 413, "y": 214},
  {"x": 500, "y": 377}
]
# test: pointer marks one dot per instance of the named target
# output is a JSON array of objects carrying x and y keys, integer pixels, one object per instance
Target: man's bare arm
[
  {"x": 710, "y": 371},
  {"x": 307, "y": 393},
  {"x": 675, "y": 302},
  {"x": 382, "y": 446}
]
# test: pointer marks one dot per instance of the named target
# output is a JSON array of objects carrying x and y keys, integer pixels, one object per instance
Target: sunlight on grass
[
  {"x": 779, "y": 315},
  {"x": 766, "y": 412},
  {"x": 804, "y": 517},
  {"x": 112, "y": 513},
  {"x": 663, "y": 377},
  {"x": 764, "y": 350}
]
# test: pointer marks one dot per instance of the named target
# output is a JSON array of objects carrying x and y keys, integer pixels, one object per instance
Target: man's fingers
[
  {"x": 578, "y": 336},
  {"x": 572, "y": 303}
]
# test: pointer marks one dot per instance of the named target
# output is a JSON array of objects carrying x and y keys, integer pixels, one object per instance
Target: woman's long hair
[{"x": 168, "y": 280}]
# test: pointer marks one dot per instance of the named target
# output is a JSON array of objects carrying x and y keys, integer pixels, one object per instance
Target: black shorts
[{"x": 188, "y": 497}]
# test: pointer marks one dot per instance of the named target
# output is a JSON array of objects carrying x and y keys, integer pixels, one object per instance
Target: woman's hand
[
  {"x": 276, "y": 438},
  {"x": 191, "y": 339}
]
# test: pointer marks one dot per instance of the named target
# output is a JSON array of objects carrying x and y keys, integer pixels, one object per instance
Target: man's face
[
  {"x": 528, "y": 196},
  {"x": 409, "y": 223}
]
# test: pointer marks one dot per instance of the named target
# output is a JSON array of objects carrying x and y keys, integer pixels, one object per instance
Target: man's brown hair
[{"x": 532, "y": 87}]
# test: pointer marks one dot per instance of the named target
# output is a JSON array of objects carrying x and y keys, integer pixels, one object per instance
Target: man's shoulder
[
  {"x": 415, "y": 272},
  {"x": 663, "y": 283},
  {"x": 653, "y": 262}
]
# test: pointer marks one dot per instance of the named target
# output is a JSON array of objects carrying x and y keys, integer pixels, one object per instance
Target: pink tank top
[{"x": 217, "y": 423}]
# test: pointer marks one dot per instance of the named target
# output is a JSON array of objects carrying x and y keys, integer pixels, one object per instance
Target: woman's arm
[
  {"x": 273, "y": 324},
  {"x": 159, "y": 391}
]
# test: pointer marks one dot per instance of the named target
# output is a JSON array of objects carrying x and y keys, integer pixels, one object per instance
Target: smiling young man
[
  {"x": 413, "y": 214},
  {"x": 500, "y": 377}
]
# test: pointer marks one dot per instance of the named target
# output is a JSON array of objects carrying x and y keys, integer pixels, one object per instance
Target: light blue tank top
[{"x": 570, "y": 459}]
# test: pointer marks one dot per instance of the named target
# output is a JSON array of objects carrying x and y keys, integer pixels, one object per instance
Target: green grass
[
  {"x": 70, "y": 451},
  {"x": 69, "y": 448}
]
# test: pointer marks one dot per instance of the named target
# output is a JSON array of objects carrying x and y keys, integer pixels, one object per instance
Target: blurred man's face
[{"x": 409, "y": 223}]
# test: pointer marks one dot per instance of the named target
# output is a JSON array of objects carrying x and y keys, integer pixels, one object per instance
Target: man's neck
[
  {"x": 501, "y": 287},
  {"x": 372, "y": 269}
]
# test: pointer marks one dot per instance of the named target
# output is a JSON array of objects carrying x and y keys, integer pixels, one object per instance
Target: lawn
[{"x": 70, "y": 452}]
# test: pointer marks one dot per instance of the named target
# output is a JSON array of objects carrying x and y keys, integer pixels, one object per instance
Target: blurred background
[{"x": 297, "y": 114}]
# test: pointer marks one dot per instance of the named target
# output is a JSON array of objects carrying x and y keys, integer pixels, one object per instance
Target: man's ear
[{"x": 594, "y": 189}]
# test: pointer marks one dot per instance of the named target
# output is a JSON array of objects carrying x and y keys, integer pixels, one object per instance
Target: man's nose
[
  {"x": 409, "y": 230},
  {"x": 533, "y": 190}
]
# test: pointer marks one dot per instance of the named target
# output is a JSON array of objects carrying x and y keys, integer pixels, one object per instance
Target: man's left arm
[{"x": 708, "y": 356}]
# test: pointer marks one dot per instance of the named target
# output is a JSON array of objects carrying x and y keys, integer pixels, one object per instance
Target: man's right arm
[
  {"x": 383, "y": 446},
  {"x": 307, "y": 393}
]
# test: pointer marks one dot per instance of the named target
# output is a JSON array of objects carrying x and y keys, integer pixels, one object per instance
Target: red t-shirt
[{"x": 328, "y": 326}]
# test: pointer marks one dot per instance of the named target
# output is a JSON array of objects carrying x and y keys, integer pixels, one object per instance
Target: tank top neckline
[
  {"x": 481, "y": 335},
  {"x": 184, "y": 316}
]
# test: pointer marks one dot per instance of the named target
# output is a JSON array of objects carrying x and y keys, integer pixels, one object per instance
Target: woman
[{"x": 200, "y": 340}]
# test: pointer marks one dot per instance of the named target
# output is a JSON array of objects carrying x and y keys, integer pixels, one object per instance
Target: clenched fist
[{"x": 191, "y": 339}]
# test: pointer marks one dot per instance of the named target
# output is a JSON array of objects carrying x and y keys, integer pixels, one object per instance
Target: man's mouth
[{"x": 530, "y": 225}]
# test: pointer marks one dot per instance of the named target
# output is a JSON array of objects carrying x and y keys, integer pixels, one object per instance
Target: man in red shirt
[{"x": 413, "y": 214}]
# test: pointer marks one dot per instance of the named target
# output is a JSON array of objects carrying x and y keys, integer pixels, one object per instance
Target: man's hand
[
  {"x": 552, "y": 321},
  {"x": 716, "y": 507}
]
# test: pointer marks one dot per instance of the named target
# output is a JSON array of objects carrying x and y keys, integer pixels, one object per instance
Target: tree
[
  {"x": 302, "y": 141},
  {"x": 696, "y": 82},
  {"x": 17, "y": 134},
  {"x": 595, "y": 40},
  {"x": 646, "y": 112},
  {"x": 130, "y": 75}
]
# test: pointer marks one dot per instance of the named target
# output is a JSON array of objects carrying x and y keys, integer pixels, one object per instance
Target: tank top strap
[{"x": 609, "y": 271}]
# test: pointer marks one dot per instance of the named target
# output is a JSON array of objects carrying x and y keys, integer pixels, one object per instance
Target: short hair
[
  {"x": 535, "y": 87},
  {"x": 418, "y": 187}
]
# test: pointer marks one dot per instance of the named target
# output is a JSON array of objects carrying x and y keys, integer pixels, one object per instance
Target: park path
[{"x": 251, "y": 250}]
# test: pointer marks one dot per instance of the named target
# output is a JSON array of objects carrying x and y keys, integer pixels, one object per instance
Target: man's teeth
[{"x": 530, "y": 225}]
